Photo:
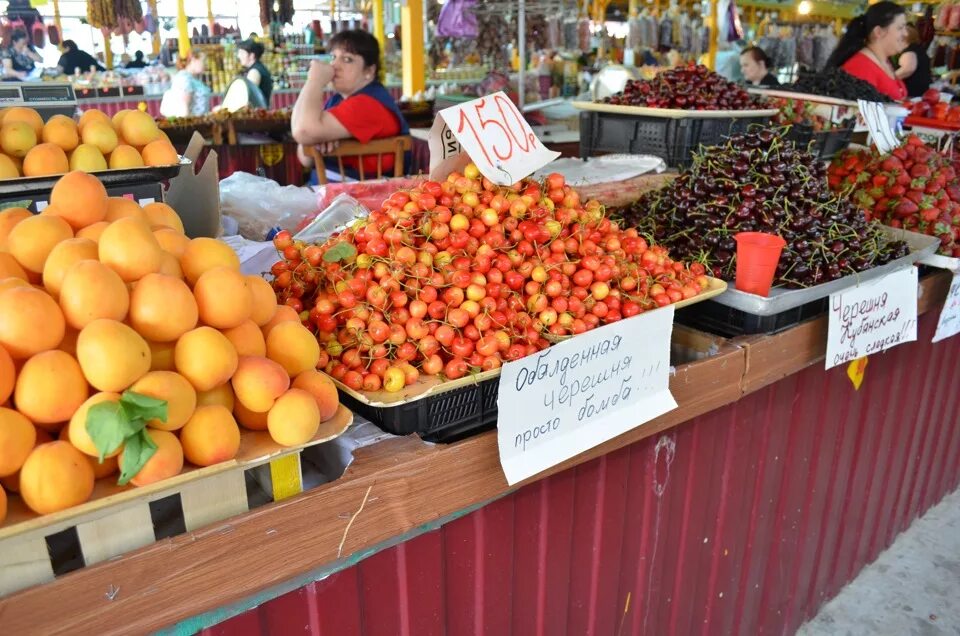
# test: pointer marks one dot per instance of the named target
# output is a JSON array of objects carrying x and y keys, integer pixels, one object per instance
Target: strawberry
[
  {"x": 920, "y": 171},
  {"x": 905, "y": 208},
  {"x": 890, "y": 164},
  {"x": 900, "y": 153},
  {"x": 898, "y": 190},
  {"x": 879, "y": 180},
  {"x": 929, "y": 214},
  {"x": 903, "y": 179}
]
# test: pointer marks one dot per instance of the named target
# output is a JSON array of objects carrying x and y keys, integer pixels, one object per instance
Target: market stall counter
[{"x": 742, "y": 511}]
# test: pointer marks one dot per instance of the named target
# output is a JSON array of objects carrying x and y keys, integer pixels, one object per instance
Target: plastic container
[
  {"x": 822, "y": 144},
  {"x": 757, "y": 257},
  {"x": 442, "y": 418},
  {"x": 730, "y": 322},
  {"x": 673, "y": 140}
]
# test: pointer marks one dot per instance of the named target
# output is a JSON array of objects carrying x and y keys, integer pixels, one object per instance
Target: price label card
[
  {"x": 949, "y": 324},
  {"x": 875, "y": 116},
  {"x": 493, "y": 134},
  {"x": 583, "y": 391},
  {"x": 872, "y": 317}
]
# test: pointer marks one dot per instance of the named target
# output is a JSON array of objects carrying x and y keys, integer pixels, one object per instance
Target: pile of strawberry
[{"x": 914, "y": 187}]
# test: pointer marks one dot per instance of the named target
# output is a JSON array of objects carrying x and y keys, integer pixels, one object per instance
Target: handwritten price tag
[
  {"x": 875, "y": 116},
  {"x": 583, "y": 391},
  {"x": 493, "y": 134},
  {"x": 872, "y": 317},
  {"x": 949, "y": 324}
]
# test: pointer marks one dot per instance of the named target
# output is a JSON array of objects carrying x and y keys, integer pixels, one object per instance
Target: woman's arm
[
  {"x": 254, "y": 76},
  {"x": 309, "y": 123},
  {"x": 33, "y": 55},
  {"x": 907, "y": 65},
  {"x": 8, "y": 69}
]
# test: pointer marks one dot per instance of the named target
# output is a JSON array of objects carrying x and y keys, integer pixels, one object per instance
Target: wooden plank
[
  {"x": 25, "y": 561},
  {"x": 213, "y": 499},
  {"x": 116, "y": 534}
]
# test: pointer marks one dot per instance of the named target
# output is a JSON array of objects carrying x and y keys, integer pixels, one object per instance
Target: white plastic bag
[
  {"x": 341, "y": 212},
  {"x": 259, "y": 204}
]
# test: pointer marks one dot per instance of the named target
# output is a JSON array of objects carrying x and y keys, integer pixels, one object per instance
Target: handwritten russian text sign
[
  {"x": 495, "y": 136},
  {"x": 872, "y": 317},
  {"x": 583, "y": 391},
  {"x": 875, "y": 116},
  {"x": 949, "y": 324}
]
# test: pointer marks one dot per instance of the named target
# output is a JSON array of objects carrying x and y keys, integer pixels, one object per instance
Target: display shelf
[{"x": 406, "y": 485}]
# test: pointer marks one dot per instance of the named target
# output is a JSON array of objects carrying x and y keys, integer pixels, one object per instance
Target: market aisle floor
[{"x": 911, "y": 589}]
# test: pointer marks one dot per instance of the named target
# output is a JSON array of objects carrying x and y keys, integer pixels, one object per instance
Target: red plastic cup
[{"x": 757, "y": 257}]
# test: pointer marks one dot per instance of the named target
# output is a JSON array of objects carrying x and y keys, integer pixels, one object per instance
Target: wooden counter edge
[{"x": 181, "y": 577}]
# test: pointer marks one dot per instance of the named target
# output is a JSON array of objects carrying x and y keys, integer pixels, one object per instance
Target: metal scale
[{"x": 47, "y": 98}]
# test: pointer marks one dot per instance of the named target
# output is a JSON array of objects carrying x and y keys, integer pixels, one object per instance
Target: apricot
[
  {"x": 264, "y": 299},
  {"x": 32, "y": 239},
  {"x": 121, "y": 207},
  {"x": 138, "y": 128},
  {"x": 30, "y": 322},
  {"x": 101, "y": 135},
  {"x": 205, "y": 357},
  {"x": 50, "y": 387},
  {"x": 87, "y": 158},
  {"x": 294, "y": 347},
  {"x": 223, "y": 298},
  {"x": 89, "y": 291},
  {"x": 17, "y": 138},
  {"x": 162, "y": 215},
  {"x": 161, "y": 356},
  {"x": 8, "y": 375},
  {"x": 9, "y": 218},
  {"x": 65, "y": 255},
  {"x": 61, "y": 131},
  {"x": 93, "y": 231},
  {"x": 172, "y": 241},
  {"x": 247, "y": 339},
  {"x": 112, "y": 355},
  {"x": 162, "y": 308},
  {"x": 55, "y": 476},
  {"x": 250, "y": 420},
  {"x": 77, "y": 427},
  {"x": 210, "y": 436},
  {"x": 160, "y": 152},
  {"x": 172, "y": 387},
  {"x": 323, "y": 390},
  {"x": 124, "y": 156},
  {"x": 258, "y": 382},
  {"x": 204, "y": 254},
  {"x": 294, "y": 418},
  {"x": 129, "y": 248},
  {"x": 17, "y": 438},
  {"x": 10, "y": 268},
  {"x": 25, "y": 115},
  {"x": 170, "y": 266},
  {"x": 9, "y": 169},
  {"x": 166, "y": 461},
  {"x": 80, "y": 198},
  {"x": 93, "y": 115},
  {"x": 283, "y": 313}
]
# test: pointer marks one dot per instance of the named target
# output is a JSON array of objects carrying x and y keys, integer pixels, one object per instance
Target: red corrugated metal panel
[{"x": 742, "y": 521}]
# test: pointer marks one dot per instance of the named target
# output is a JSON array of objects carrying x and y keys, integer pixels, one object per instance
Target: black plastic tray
[
  {"x": 673, "y": 140},
  {"x": 823, "y": 144},
  {"x": 443, "y": 418},
  {"x": 730, "y": 322},
  {"x": 26, "y": 186}
]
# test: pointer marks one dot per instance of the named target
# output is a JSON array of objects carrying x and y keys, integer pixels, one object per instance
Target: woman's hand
[
  {"x": 320, "y": 72},
  {"x": 327, "y": 147}
]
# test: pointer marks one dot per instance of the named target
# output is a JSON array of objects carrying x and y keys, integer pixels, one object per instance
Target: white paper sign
[
  {"x": 872, "y": 317},
  {"x": 493, "y": 134},
  {"x": 583, "y": 391},
  {"x": 875, "y": 116},
  {"x": 949, "y": 324}
]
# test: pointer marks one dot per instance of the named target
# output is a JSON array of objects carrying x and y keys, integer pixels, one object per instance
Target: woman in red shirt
[
  {"x": 867, "y": 45},
  {"x": 360, "y": 109}
]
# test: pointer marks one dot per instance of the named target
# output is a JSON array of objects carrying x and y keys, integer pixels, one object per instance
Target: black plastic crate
[
  {"x": 673, "y": 140},
  {"x": 443, "y": 418},
  {"x": 822, "y": 144},
  {"x": 712, "y": 317}
]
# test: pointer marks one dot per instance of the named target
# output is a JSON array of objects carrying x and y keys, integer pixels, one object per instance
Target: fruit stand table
[{"x": 742, "y": 511}]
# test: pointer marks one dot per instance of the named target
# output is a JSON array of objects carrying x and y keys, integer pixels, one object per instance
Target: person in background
[
  {"x": 361, "y": 107},
  {"x": 755, "y": 66},
  {"x": 73, "y": 59},
  {"x": 19, "y": 59},
  {"x": 867, "y": 45},
  {"x": 913, "y": 67},
  {"x": 188, "y": 96},
  {"x": 137, "y": 61},
  {"x": 249, "y": 53}
]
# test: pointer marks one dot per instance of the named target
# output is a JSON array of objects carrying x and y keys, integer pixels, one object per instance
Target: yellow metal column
[
  {"x": 714, "y": 36},
  {"x": 411, "y": 34},
  {"x": 333, "y": 13},
  {"x": 155, "y": 39},
  {"x": 378, "y": 28},
  {"x": 632, "y": 8},
  {"x": 183, "y": 33},
  {"x": 210, "y": 19}
]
